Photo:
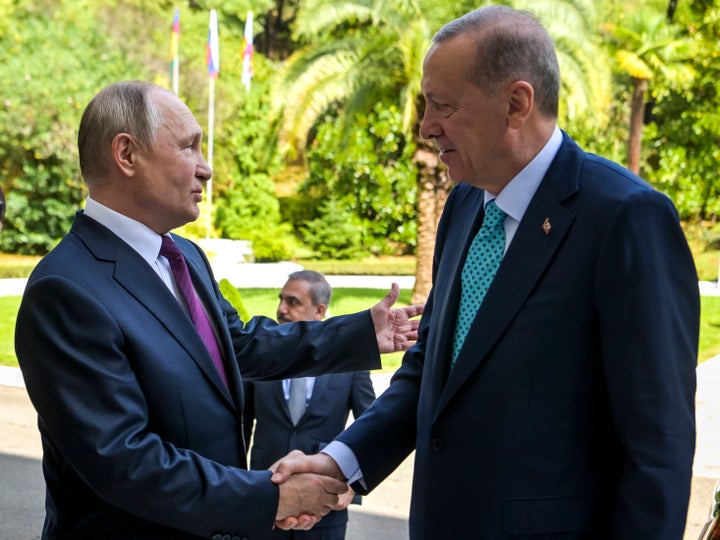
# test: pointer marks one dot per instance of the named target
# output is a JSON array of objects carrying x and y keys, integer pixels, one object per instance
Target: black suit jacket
[
  {"x": 141, "y": 438},
  {"x": 570, "y": 411},
  {"x": 326, "y": 415}
]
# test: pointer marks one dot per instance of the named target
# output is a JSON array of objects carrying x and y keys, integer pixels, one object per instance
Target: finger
[
  {"x": 286, "y": 524},
  {"x": 414, "y": 310},
  {"x": 306, "y": 521},
  {"x": 294, "y": 462},
  {"x": 333, "y": 486},
  {"x": 392, "y": 296}
]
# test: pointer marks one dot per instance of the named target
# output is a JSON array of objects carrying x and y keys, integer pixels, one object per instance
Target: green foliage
[
  {"x": 362, "y": 195},
  {"x": 249, "y": 208},
  {"x": 335, "y": 233},
  {"x": 252, "y": 212},
  {"x": 685, "y": 152},
  {"x": 47, "y": 77},
  {"x": 371, "y": 266},
  {"x": 232, "y": 295},
  {"x": 9, "y": 306},
  {"x": 709, "y": 327}
]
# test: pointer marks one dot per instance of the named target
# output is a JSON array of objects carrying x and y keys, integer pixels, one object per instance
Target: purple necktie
[{"x": 199, "y": 318}]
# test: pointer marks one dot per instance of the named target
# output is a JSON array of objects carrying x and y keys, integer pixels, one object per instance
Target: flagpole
[
  {"x": 211, "y": 134},
  {"x": 213, "y": 62},
  {"x": 247, "y": 71},
  {"x": 175, "y": 52}
]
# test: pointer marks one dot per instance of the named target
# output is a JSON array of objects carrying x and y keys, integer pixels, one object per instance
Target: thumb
[
  {"x": 285, "y": 467},
  {"x": 391, "y": 297}
]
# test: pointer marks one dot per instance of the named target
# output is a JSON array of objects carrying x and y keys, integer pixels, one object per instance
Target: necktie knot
[
  {"x": 170, "y": 251},
  {"x": 494, "y": 216}
]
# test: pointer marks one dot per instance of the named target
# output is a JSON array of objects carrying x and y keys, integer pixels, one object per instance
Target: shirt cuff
[{"x": 346, "y": 460}]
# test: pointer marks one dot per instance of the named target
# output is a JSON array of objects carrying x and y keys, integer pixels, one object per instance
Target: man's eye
[{"x": 444, "y": 109}]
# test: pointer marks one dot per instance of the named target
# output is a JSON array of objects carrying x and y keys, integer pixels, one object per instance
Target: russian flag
[{"x": 213, "y": 47}]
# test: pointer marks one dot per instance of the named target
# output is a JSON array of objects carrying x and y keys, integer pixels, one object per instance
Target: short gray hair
[
  {"x": 320, "y": 290},
  {"x": 122, "y": 107},
  {"x": 511, "y": 45}
]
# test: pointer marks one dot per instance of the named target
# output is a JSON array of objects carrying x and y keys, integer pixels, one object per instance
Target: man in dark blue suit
[
  {"x": 568, "y": 410},
  {"x": 133, "y": 359},
  {"x": 326, "y": 403}
]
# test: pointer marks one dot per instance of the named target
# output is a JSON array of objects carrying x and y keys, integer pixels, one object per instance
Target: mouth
[{"x": 442, "y": 149}]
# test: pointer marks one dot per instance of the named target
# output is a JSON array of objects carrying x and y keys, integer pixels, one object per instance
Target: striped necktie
[{"x": 179, "y": 268}]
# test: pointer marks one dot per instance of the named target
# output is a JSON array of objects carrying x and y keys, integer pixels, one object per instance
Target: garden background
[{"x": 318, "y": 159}]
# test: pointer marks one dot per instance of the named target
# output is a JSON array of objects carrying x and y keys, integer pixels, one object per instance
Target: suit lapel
[
  {"x": 134, "y": 275},
  {"x": 467, "y": 215},
  {"x": 316, "y": 397},
  {"x": 278, "y": 390},
  {"x": 530, "y": 252}
]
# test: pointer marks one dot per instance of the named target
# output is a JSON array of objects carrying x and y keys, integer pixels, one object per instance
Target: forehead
[
  {"x": 174, "y": 112},
  {"x": 447, "y": 63},
  {"x": 296, "y": 288}
]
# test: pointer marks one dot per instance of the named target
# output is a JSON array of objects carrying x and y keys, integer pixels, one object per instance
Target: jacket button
[{"x": 437, "y": 444}]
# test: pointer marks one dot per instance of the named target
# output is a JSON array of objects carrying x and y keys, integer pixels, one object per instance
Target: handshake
[{"x": 310, "y": 487}]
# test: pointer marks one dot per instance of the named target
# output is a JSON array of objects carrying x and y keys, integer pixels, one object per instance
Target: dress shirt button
[{"x": 437, "y": 444}]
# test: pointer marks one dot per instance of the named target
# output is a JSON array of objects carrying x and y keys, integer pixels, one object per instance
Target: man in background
[{"x": 306, "y": 413}]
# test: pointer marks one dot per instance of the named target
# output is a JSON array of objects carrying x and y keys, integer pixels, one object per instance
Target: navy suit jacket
[
  {"x": 326, "y": 415},
  {"x": 141, "y": 438},
  {"x": 570, "y": 411}
]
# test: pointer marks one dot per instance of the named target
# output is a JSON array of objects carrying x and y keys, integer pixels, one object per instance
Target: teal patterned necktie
[{"x": 481, "y": 264}]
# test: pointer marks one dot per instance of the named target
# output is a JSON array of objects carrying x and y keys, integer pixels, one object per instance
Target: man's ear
[
  {"x": 320, "y": 311},
  {"x": 125, "y": 153},
  {"x": 521, "y": 101}
]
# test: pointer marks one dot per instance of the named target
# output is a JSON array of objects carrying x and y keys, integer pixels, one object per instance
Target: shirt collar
[
  {"x": 138, "y": 236},
  {"x": 517, "y": 194}
]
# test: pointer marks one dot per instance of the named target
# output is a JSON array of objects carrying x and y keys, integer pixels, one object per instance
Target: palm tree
[
  {"x": 649, "y": 48},
  {"x": 360, "y": 52}
]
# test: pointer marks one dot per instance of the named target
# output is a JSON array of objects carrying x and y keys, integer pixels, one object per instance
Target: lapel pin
[{"x": 546, "y": 226}]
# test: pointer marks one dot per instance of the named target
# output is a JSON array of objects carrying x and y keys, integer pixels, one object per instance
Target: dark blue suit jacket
[
  {"x": 570, "y": 411},
  {"x": 141, "y": 438},
  {"x": 326, "y": 415}
]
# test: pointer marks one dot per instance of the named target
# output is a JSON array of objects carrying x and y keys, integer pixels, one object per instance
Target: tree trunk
[
  {"x": 637, "y": 112},
  {"x": 433, "y": 187}
]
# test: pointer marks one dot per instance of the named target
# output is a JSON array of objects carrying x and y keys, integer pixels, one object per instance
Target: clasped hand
[{"x": 310, "y": 487}]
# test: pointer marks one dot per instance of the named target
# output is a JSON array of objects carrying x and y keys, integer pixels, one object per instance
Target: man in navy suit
[
  {"x": 568, "y": 412},
  {"x": 328, "y": 400},
  {"x": 140, "y": 406}
]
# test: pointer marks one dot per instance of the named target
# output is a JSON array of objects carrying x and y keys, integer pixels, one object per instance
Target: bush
[{"x": 232, "y": 295}]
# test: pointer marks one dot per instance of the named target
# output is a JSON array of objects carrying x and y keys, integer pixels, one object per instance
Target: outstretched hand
[{"x": 394, "y": 329}]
